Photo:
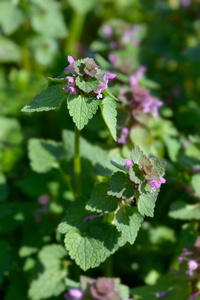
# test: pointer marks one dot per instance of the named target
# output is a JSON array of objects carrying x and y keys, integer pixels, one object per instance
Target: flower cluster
[
  {"x": 86, "y": 77},
  {"x": 146, "y": 171},
  {"x": 138, "y": 99}
]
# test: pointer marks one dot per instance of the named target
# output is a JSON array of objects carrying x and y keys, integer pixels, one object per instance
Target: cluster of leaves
[{"x": 90, "y": 240}]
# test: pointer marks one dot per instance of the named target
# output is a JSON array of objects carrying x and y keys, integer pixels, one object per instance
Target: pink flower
[
  {"x": 106, "y": 77},
  {"x": 123, "y": 137},
  {"x": 74, "y": 294},
  {"x": 194, "y": 296},
  {"x": 156, "y": 184},
  {"x": 128, "y": 163},
  {"x": 107, "y": 30},
  {"x": 112, "y": 58},
  {"x": 70, "y": 87},
  {"x": 160, "y": 295},
  {"x": 70, "y": 68},
  {"x": 192, "y": 266},
  {"x": 99, "y": 89}
]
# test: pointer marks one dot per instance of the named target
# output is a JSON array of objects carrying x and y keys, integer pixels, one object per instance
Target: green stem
[
  {"x": 67, "y": 179},
  {"x": 108, "y": 267},
  {"x": 75, "y": 31},
  {"x": 77, "y": 162}
]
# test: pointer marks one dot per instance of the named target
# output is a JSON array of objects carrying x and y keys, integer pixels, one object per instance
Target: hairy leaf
[
  {"x": 81, "y": 109},
  {"x": 183, "y": 211},
  {"x": 100, "y": 201},
  {"x": 87, "y": 86},
  {"x": 109, "y": 114},
  {"x": 120, "y": 186},
  {"x": 50, "y": 98}
]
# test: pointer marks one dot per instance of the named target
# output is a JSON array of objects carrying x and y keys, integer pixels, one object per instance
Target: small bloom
[
  {"x": 174, "y": 271},
  {"x": 70, "y": 68},
  {"x": 160, "y": 295},
  {"x": 98, "y": 90},
  {"x": 106, "y": 77},
  {"x": 74, "y": 294},
  {"x": 156, "y": 184},
  {"x": 180, "y": 259},
  {"x": 194, "y": 296},
  {"x": 107, "y": 30},
  {"x": 112, "y": 58},
  {"x": 185, "y": 251},
  {"x": 185, "y": 3},
  {"x": 128, "y": 163},
  {"x": 70, "y": 87},
  {"x": 43, "y": 199},
  {"x": 140, "y": 71},
  {"x": 192, "y": 265},
  {"x": 123, "y": 137},
  {"x": 162, "y": 180}
]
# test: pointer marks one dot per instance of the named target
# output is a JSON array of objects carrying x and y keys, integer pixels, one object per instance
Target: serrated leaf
[
  {"x": 128, "y": 221},
  {"x": 120, "y": 186},
  {"x": 50, "y": 98},
  {"x": 145, "y": 164},
  {"x": 195, "y": 181},
  {"x": 136, "y": 154},
  {"x": 85, "y": 249},
  {"x": 109, "y": 114},
  {"x": 81, "y": 109},
  {"x": 183, "y": 211},
  {"x": 158, "y": 169},
  {"x": 135, "y": 174},
  {"x": 87, "y": 86},
  {"x": 108, "y": 93},
  {"x": 79, "y": 66},
  {"x": 3, "y": 187},
  {"x": 51, "y": 281},
  {"x": 100, "y": 201},
  {"x": 44, "y": 155},
  {"x": 147, "y": 200}
]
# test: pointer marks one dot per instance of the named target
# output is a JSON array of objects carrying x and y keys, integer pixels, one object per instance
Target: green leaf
[
  {"x": 87, "y": 86},
  {"x": 100, "y": 201},
  {"x": 183, "y": 211},
  {"x": 85, "y": 249},
  {"x": 108, "y": 93},
  {"x": 82, "y": 7},
  {"x": 3, "y": 187},
  {"x": 109, "y": 114},
  {"x": 11, "y": 17},
  {"x": 120, "y": 186},
  {"x": 48, "y": 21},
  {"x": 51, "y": 281},
  {"x": 147, "y": 200},
  {"x": 136, "y": 154},
  {"x": 195, "y": 181},
  {"x": 50, "y": 98},
  {"x": 79, "y": 66},
  {"x": 119, "y": 162},
  {"x": 128, "y": 221},
  {"x": 82, "y": 109},
  {"x": 95, "y": 154},
  {"x": 59, "y": 79},
  {"x": 9, "y": 51},
  {"x": 158, "y": 168},
  {"x": 135, "y": 174},
  {"x": 44, "y": 155},
  {"x": 173, "y": 146}
]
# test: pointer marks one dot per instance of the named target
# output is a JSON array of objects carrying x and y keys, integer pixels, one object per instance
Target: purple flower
[
  {"x": 150, "y": 105},
  {"x": 43, "y": 199},
  {"x": 128, "y": 163},
  {"x": 106, "y": 77},
  {"x": 107, "y": 30},
  {"x": 112, "y": 58},
  {"x": 160, "y": 295},
  {"x": 185, "y": 3},
  {"x": 156, "y": 184},
  {"x": 194, "y": 296},
  {"x": 70, "y": 68},
  {"x": 98, "y": 90},
  {"x": 140, "y": 71},
  {"x": 74, "y": 294},
  {"x": 192, "y": 265},
  {"x": 70, "y": 87},
  {"x": 174, "y": 271},
  {"x": 185, "y": 251},
  {"x": 180, "y": 259},
  {"x": 123, "y": 137}
]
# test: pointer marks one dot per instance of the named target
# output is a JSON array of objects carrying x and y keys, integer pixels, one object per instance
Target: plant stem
[
  {"x": 75, "y": 31},
  {"x": 77, "y": 162},
  {"x": 108, "y": 267}
]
